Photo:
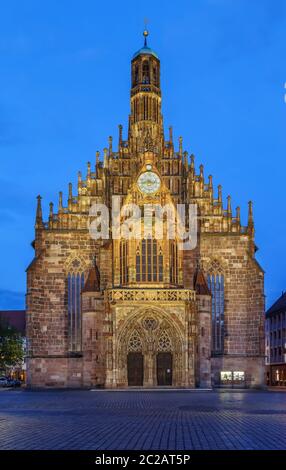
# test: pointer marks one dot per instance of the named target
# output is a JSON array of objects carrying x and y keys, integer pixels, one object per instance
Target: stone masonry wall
[
  {"x": 244, "y": 300},
  {"x": 47, "y": 316}
]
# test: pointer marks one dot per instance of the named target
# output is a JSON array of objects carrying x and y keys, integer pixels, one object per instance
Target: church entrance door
[
  {"x": 164, "y": 368},
  {"x": 135, "y": 369}
]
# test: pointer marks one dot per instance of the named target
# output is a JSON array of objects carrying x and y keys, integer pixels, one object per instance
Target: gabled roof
[
  {"x": 93, "y": 282},
  {"x": 279, "y": 305},
  {"x": 201, "y": 286}
]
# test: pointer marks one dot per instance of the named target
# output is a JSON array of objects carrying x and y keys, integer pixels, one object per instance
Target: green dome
[{"x": 147, "y": 51}]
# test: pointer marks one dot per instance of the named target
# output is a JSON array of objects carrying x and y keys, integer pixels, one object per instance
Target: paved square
[{"x": 142, "y": 420}]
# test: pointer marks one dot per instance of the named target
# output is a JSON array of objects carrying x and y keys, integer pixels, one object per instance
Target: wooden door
[
  {"x": 135, "y": 369},
  {"x": 164, "y": 368}
]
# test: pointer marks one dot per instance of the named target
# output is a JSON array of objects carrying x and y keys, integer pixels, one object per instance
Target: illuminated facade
[
  {"x": 275, "y": 342},
  {"x": 120, "y": 312}
]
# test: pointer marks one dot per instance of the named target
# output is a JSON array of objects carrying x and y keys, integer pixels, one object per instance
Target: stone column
[
  {"x": 149, "y": 363},
  {"x": 204, "y": 340}
]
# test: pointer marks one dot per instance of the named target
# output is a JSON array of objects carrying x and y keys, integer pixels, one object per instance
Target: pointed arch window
[
  {"x": 164, "y": 342},
  {"x": 216, "y": 286},
  {"x": 135, "y": 343},
  {"x": 75, "y": 286},
  {"x": 124, "y": 262},
  {"x": 173, "y": 262}
]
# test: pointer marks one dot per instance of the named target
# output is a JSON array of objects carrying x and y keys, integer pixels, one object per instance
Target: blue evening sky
[{"x": 64, "y": 88}]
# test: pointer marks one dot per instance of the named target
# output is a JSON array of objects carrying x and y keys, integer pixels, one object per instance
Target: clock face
[{"x": 149, "y": 182}]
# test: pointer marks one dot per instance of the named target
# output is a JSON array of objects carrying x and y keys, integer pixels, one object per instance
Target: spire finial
[
  {"x": 219, "y": 193},
  {"x": 39, "y": 215},
  {"x": 51, "y": 215},
  {"x": 171, "y": 135},
  {"x": 229, "y": 211},
  {"x": 145, "y": 32},
  {"x": 70, "y": 190},
  {"x": 250, "y": 225},
  {"x": 238, "y": 215},
  {"x": 180, "y": 146},
  {"x": 60, "y": 201},
  {"x": 250, "y": 215},
  {"x": 110, "y": 145},
  {"x": 120, "y": 136}
]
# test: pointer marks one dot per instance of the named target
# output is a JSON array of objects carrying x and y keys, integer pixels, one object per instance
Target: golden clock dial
[{"x": 148, "y": 182}]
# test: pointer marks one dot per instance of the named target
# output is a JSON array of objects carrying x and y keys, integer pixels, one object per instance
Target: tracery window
[
  {"x": 173, "y": 262},
  {"x": 123, "y": 262},
  {"x": 75, "y": 285},
  {"x": 164, "y": 342},
  {"x": 135, "y": 344},
  {"x": 216, "y": 286},
  {"x": 149, "y": 261}
]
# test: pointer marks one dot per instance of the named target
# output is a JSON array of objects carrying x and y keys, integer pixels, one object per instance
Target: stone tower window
[
  {"x": 216, "y": 286},
  {"x": 145, "y": 72},
  {"x": 155, "y": 76},
  {"x": 75, "y": 285},
  {"x": 136, "y": 75}
]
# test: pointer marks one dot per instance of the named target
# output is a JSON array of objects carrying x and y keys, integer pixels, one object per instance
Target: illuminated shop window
[
  {"x": 232, "y": 377},
  {"x": 238, "y": 376},
  {"x": 226, "y": 376}
]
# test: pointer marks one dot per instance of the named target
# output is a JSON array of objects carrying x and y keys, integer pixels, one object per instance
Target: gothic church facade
[{"x": 129, "y": 312}]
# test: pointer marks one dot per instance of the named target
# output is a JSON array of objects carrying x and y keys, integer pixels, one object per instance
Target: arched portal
[{"x": 149, "y": 350}]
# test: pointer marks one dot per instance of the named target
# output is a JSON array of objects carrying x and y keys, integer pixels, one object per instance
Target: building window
[
  {"x": 216, "y": 286},
  {"x": 75, "y": 285},
  {"x": 173, "y": 262},
  {"x": 232, "y": 377},
  {"x": 123, "y": 262},
  {"x": 164, "y": 342},
  {"x": 149, "y": 261},
  {"x": 135, "y": 344},
  {"x": 145, "y": 72},
  {"x": 155, "y": 76},
  {"x": 226, "y": 377},
  {"x": 136, "y": 75}
]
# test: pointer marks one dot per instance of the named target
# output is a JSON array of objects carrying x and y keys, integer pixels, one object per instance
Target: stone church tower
[{"x": 119, "y": 311}]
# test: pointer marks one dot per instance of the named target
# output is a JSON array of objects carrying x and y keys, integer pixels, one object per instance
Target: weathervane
[{"x": 145, "y": 32}]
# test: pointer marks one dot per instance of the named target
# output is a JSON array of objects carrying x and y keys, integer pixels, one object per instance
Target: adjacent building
[
  {"x": 275, "y": 342},
  {"x": 119, "y": 311},
  {"x": 16, "y": 319}
]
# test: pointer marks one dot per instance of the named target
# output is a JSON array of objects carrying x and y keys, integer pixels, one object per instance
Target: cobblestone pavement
[{"x": 142, "y": 420}]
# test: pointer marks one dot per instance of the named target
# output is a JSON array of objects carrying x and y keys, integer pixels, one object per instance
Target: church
[{"x": 120, "y": 312}]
